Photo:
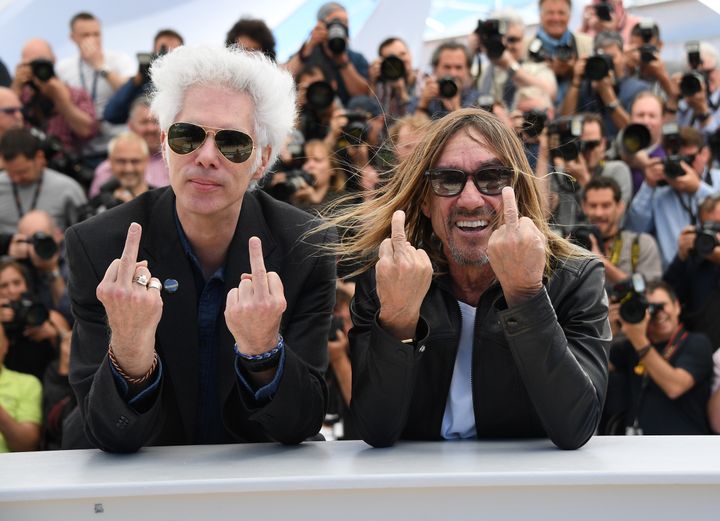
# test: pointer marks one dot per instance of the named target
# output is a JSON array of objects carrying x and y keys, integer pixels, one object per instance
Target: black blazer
[{"x": 298, "y": 407}]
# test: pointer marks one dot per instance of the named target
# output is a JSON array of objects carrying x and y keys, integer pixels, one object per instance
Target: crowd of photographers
[{"x": 624, "y": 146}]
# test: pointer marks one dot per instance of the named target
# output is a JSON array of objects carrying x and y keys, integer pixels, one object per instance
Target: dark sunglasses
[
  {"x": 184, "y": 138},
  {"x": 513, "y": 39},
  {"x": 11, "y": 110},
  {"x": 490, "y": 180},
  {"x": 586, "y": 146}
]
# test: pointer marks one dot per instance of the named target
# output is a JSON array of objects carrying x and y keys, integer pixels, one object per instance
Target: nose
[
  {"x": 470, "y": 197},
  {"x": 208, "y": 155}
]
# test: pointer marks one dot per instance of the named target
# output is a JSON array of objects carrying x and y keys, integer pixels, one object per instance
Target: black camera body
[
  {"x": 337, "y": 36},
  {"x": 336, "y": 324},
  {"x": 691, "y": 83},
  {"x": 42, "y": 69},
  {"x": 648, "y": 53},
  {"x": 28, "y": 312},
  {"x": 580, "y": 234},
  {"x": 356, "y": 129},
  {"x": 44, "y": 245},
  {"x": 392, "y": 68},
  {"x": 692, "y": 49},
  {"x": 568, "y": 130},
  {"x": 534, "y": 122},
  {"x": 604, "y": 10},
  {"x": 706, "y": 238},
  {"x": 598, "y": 66},
  {"x": 630, "y": 293},
  {"x": 294, "y": 180},
  {"x": 448, "y": 87},
  {"x": 491, "y": 34},
  {"x": 671, "y": 143},
  {"x": 319, "y": 95}
]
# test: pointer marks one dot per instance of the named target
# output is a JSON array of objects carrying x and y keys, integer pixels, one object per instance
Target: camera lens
[
  {"x": 596, "y": 67},
  {"x": 690, "y": 84},
  {"x": 336, "y": 36},
  {"x": 43, "y": 70},
  {"x": 634, "y": 138},
  {"x": 447, "y": 86},
  {"x": 392, "y": 68},
  {"x": 705, "y": 242},
  {"x": 319, "y": 95},
  {"x": 44, "y": 245}
]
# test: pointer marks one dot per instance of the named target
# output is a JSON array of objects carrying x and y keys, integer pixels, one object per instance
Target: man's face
[
  {"x": 618, "y": 59},
  {"x": 12, "y": 284},
  {"x": 24, "y": 170},
  {"x": 699, "y": 157},
  {"x": 143, "y": 123},
  {"x": 463, "y": 222},
  {"x": 514, "y": 40},
  {"x": 554, "y": 17},
  {"x": 318, "y": 164},
  {"x": 603, "y": 211},
  {"x": 664, "y": 323},
  {"x": 128, "y": 164},
  {"x": 399, "y": 49},
  {"x": 407, "y": 140},
  {"x": 594, "y": 144},
  {"x": 86, "y": 30},
  {"x": 206, "y": 183},
  {"x": 647, "y": 111},
  {"x": 453, "y": 62},
  {"x": 10, "y": 110}
]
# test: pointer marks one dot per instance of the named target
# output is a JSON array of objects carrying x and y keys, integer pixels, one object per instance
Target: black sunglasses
[
  {"x": 513, "y": 39},
  {"x": 235, "y": 145},
  {"x": 10, "y": 110},
  {"x": 586, "y": 146},
  {"x": 489, "y": 180}
]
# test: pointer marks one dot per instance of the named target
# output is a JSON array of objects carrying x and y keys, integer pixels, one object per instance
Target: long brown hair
[{"x": 363, "y": 227}]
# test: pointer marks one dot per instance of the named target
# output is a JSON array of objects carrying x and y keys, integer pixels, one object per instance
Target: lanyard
[
  {"x": 634, "y": 251},
  {"x": 687, "y": 206},
  {"x": 18, "y": 203},
  {"x": 93, "y": 93}
]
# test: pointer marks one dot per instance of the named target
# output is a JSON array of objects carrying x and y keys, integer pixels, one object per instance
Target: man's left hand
[
  {"x": 253, "y": 310},
  {"x": 516, "y": 251}
]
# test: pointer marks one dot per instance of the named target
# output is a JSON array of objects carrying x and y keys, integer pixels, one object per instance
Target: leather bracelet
[
  {"x": 643, "y": 351},
  {"x": 130, "y": 379},
  {"x": 263, "y": 361},
  {"x": 576, "y": 85}
]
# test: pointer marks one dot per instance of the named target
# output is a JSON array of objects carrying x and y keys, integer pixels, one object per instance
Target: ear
[
  {"x": 264, "y": 163},
  {"x": 163, "y": 145},
  {"x": 425, "y": 207}
]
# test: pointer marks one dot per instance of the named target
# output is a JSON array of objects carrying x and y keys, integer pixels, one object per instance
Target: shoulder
[
  {"x": 571, "y": 270},
  {"x": 56, "y": 179},
  {"x": 614, "y": 167},
  {"x": 26, "y": 383},
  {"x": 67, "y": 65}
]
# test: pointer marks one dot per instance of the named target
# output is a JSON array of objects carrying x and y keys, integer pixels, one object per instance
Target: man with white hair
[
  {"x": 202, "y": 309},
  {"x": 699, "y": 107}
]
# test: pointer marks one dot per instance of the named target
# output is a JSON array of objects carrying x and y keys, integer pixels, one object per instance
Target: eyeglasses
[
  {"x": 184, "y": 138},
  {"x": 513, "y": 39},
  {"x": 10, "y": 110},
  {"x": 587, "y": 146},
  {"x": 489, "y": 180}
]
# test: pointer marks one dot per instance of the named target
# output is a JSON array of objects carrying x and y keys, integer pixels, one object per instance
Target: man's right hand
[
  {"x": 403, "y": 274},
  {"x": 654, "y": 171},
  {"x": 686, "y": 242},
  {"x": 317, "y": 37},
  {"x": 133, "y": 310}
]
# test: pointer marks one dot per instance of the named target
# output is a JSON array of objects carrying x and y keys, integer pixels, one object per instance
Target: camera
[
  {"x": 355, "y": 131},
  {"x": 598, "y": 66},
  {"x": 534, "y": 122},
  {"x": 671, "y": 143},
  {"x": 392, "y": 68},
  {"x": 537, "y": 52},
  {"x": 491, "y": 33},
  {"x": 693, "y": 54},
  {"x": 580, "y": 234},
  {"x": 294, "y": 180},
  {"x": 706, "y": 238},
  {"x": 42, "y": 69},
  {"x": 447, "y": 87},
  {"x": 691, "y": 83},
  {"x": 44, "y": 245},
  {"x": 486, "y": 102},
  {"x": 337, "y": 36},
  {"x": 630, "y": 293},
  {"x": 566, "y": 131},
  {"x": 604, "y": 10},
  {"x": 145, "y": 60},
  {"x": 28, "y": 312},
  {"x": 634, "y": 138},
  {"x": 319, "y": 95},
  {"x": 564, "y": 52}
]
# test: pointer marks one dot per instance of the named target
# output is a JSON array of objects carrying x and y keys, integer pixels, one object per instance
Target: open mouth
[{"x": 472, "y": 226}]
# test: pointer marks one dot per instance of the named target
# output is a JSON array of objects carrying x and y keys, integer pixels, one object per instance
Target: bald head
[
  {"x": 10, "y": 114},
  {"x": 36, "y": 221},
  {"x": 37, "y": 49}
]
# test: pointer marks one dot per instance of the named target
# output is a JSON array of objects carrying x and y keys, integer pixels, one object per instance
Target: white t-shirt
[{"x": 459, "y": 418}]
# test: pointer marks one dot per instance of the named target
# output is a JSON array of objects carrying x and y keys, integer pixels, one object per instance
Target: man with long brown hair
[{"x": 471, "y": 318}]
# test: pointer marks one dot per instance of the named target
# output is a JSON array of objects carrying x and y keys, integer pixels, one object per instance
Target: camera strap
[
  {"x": 92, "y": 93},
  {"x": 33, "y": 204},
  {"x": 634, "y": 251},
  {"x": 687, "y": 206}
]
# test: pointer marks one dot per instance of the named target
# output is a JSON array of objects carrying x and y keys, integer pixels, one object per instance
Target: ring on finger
[
  {"x": 141, "y": 279},
  {"x": 155, "y": 284}
]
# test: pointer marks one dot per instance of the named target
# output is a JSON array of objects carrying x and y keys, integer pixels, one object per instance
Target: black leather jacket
[{"x": 539, "y": 369}]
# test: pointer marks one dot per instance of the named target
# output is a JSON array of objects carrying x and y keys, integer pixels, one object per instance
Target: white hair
[
  {"x": 271, "y": 88},
  {"x": 708, "y": 50},
  {"x": 130, "y": 137},
  {"x": 532, "y": 92}
]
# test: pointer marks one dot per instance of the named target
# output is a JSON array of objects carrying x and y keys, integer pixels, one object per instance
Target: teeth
[{"x": 471, "y": 224}]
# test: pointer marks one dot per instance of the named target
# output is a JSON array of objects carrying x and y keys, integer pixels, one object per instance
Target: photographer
[
  {"x": 316, "y": 100},
  {"x": 674, "y": 187},
  {"x": 27, "y": 185},
  {"x": 50, "y": 104},
  {"x": 700, "y": 90},
  {"x": 608, "y": 15},
  {"x": 118, "y": 106},
  {"x": 667, "y": 369},
  {"x": 328, "y": 47},
  {"x": 20, "y": 406},
  {"x": 622, "y": 252},
  {"x": 392, "y": 77},
  {"x": 643, "y": 60},
  {"x": 600, "y": 84},
  {"x": 449, "y": 87},
  {"x": 33, "y": 330},
  {"x": 501, "y": 38},
  {"x": 694, "y": 273},
  {"x": 406, "y": 133},
  {"x": 252, "y": 35}
]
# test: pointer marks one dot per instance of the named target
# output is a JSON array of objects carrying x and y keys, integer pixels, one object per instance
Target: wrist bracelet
[
  {"x": 130, "y": 379},
  {"x": 643, "y": 351},
  {"x": 263, "y": 361}
]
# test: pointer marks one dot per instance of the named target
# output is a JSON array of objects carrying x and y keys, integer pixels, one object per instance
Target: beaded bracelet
[
  {"x": 262, "y": 361},
  {"x": 130, "y": 379}
]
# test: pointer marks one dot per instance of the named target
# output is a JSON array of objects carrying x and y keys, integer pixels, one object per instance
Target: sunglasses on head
[
  {"x": 489, "y": 180},
  {"x": 184, "y": 138}
]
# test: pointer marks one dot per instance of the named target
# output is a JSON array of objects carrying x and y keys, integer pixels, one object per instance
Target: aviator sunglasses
[
  {"x": 184, "y": 138},
  {"x": 489, "y": 180}
]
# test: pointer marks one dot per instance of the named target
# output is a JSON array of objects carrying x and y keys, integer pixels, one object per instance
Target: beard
[{"x": 468, "y": 252}]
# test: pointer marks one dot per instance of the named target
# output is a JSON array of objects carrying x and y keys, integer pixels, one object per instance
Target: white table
[{"x": 611, "y": 478}]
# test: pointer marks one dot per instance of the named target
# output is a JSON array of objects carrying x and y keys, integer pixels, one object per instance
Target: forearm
[
  {"x": 355, "y": 84},
  {"x": 612, "y": 272},
  {"x": 570, "y": 102},
  {"x": 620, "y": 117},
  {"x": 79, "y": 121},
  {"x": 673, "y": 381},
  {"x": 19, "y": 436}
]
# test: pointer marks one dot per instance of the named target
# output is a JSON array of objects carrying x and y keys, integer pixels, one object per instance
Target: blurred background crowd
[{"x": 624, "y": 143}]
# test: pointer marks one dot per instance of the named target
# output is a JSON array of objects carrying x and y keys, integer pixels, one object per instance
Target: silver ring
[
  {"x": 155, "y": 284},
  {"x": 141, "y": 279}
]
